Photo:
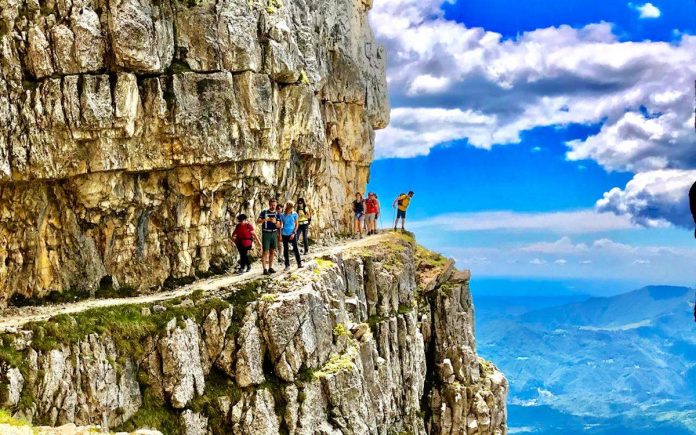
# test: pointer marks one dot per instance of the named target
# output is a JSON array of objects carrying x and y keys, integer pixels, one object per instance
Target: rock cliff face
[
  {"x": 132, "y": 131},
  {"x": 376, "y": 339}
]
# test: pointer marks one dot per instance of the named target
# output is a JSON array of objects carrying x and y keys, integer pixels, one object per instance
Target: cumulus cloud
[
  {"x": 653, "y": 198},
  {"x": 648, "y": 10},
  {"x": 567, "y": 222},
  {"x": 451, "y": 82},
  {"x": 564, "y": 245}
]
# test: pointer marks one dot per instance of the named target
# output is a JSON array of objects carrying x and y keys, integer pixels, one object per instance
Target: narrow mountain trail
[{"x": 13, "y": 317}]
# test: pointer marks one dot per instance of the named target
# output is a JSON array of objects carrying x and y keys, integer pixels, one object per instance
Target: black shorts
[{"x": 401, "y": 214}]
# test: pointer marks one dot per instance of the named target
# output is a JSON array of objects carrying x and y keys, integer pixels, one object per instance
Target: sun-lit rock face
[
  {"x": 133, "y": 131},
  {"x": 375, "y": 339}
]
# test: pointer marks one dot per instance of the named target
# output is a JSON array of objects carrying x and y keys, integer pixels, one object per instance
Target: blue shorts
[
  {"x": 401, "y": 214},
  {"x": 360, "y": 216}
]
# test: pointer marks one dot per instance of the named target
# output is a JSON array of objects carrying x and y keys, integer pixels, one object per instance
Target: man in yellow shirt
[{"x": 401, "y": 204}]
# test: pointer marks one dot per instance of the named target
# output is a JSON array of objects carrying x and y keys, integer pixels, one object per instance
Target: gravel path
[{"x": 12, "y": 318}]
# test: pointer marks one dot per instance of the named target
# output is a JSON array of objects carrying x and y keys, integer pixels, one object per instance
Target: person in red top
[
  {"x": 371, "y": 213},
  {"x": 243, "y": 237}
]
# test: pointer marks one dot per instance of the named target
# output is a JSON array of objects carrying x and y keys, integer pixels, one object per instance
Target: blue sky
[{"x": 544, "y": 140}]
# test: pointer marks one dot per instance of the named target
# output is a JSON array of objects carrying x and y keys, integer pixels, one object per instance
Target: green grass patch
[
  {"x": 124, "y": 324},
  {"x": 339, "y": 362},
  {"x": 8, "y": 353},
  {"x": 217, "y": 385},
  {"x": 153, "y": 414},
  {"x": 269, "y": 297},
  {"x": 341, "y": 331},
  {"x": 6, "y": 418}
]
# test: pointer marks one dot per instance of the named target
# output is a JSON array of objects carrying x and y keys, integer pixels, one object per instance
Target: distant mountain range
[{"x": 621, "y": 364}]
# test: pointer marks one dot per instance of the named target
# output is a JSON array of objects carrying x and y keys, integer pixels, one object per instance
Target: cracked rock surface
[
  {"x": 133, "y": 131},
  {"x": 355, "y": 343}
]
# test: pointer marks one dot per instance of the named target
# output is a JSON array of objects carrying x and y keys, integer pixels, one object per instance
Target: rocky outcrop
[
  {"x": 133, "y": 131},
  {"x": 376, "y": 339}
]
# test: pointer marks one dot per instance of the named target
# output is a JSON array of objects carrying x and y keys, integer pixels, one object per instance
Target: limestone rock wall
[
  {"x": 133, "y": 131},
  {"x": 353, "y": 345}
]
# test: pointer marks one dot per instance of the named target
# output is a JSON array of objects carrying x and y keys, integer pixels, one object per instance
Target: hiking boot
[
  {"x": 248, "y": 268},
  {"x": 271, "y": 271},
  {"x": 299, "y": 266},
  {"x": 286, "y": 268},
  {"x": 265, "y": 272}
]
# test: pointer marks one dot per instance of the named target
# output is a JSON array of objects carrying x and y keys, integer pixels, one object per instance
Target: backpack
[{"x": 244, "y": 237}]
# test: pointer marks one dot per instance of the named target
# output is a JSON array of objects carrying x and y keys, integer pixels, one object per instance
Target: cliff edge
[{"x": 377, "y": 338}]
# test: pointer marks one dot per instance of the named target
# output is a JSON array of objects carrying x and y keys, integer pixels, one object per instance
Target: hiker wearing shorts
[
  {"x": 270, "y": 226},
  {"x": 290, "y": 224},
  {"x": 243, "y": 237},
  {"x": 305, "y": 218},
  {"x": 401, "y": 204},
  {"x": 371, "y": 213},
  {"x": 358, "y": 214}
]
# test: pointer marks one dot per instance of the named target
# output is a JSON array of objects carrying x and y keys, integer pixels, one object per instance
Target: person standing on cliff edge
[{"x": 401, "y": 204}]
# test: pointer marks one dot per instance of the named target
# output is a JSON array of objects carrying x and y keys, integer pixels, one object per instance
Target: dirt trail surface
[{"x": 13, "y": 317}]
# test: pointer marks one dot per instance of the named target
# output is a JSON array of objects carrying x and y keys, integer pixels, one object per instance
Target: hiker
[
  {"x": 243, "y": 237},
  {"x": 401, "y": 203},
  {"x": 290, "y": 224},
  {"x": 305, "y": 218},
  {"x": 371, "y": 213},
  {"x": 358, "y": 214},
  {"x": 279, "y": 211},
  {"x": 270, "y": 224},
  {"x": 692, "y": 205}
]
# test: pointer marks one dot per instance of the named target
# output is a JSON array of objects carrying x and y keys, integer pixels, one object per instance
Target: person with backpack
[
  {"x": 290, "y": 221},
  {"x": 401, "y": 203},
  {"x": 270, "y": 226},
  {"x": 371, "y": 213},
  {"x": 358, "y": 214},
  {"x": 305, "y": 218},
  {"x": 243, "y": 237}
]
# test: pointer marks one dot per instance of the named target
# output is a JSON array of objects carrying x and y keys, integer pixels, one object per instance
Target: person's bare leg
[
  {"x": 264, "y": 259},
  {"x": 271, "y": 254}
]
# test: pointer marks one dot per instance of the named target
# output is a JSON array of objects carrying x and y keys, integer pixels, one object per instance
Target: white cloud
[
  {"x": 648, "y": 10},
  {"x": 567, "y": 222},
  {"x": 413, "y": 132},
  {"x": 536, "y": 149},
  {"x": 653, "y": 198},
  {"x": 449, "y": 82},
  {"x": 608, "y": 244},
  {"x": 563, "y": 245},
  {"x": 603, "y": 258},
  {"x": 551, "y": 76}
]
